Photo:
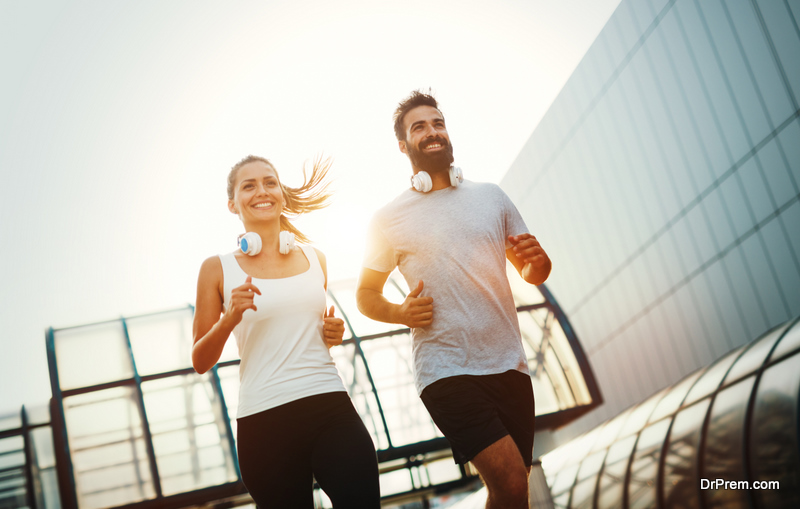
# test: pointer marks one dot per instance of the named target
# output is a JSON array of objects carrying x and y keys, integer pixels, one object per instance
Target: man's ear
[{"x": 402, "y": 145}]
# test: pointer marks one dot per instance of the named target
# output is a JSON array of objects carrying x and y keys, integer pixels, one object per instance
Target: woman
[{"x": 295, "y": 418}]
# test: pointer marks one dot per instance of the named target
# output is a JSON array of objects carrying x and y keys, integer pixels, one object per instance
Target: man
[{"x": 451, "y": 244}]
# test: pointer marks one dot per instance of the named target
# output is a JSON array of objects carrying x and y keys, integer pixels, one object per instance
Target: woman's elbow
[{"x": 198, "y": 362}]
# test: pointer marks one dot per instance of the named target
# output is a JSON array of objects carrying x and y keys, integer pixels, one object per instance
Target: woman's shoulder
[{"x": 211, "y": 266}]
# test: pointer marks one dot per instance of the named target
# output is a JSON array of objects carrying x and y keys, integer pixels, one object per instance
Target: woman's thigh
[{"x": 344, "y": 460}]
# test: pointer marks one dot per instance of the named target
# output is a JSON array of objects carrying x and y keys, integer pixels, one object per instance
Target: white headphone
[
  {"x": 250, "y": 243},
  {"x": 422, "y": 181}
]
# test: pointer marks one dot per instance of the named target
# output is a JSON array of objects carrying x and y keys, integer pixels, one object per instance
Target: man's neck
[{"x": 439, "y": 179}]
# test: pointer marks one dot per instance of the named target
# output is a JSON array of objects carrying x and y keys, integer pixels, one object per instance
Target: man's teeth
[{"x": 434, "y": 145}]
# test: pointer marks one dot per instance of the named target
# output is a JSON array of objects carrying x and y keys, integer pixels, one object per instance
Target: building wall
[{"x": 663, "y": 181}]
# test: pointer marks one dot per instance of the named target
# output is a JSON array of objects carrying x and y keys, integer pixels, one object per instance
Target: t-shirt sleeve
[
  {"x": 380, "y": 255},
  {"x": 513, "y": 221}
]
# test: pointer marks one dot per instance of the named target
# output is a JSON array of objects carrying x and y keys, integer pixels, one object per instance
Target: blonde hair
[{"x": 312, "y": 195}]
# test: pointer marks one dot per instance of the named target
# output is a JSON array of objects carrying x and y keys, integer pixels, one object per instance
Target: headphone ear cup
[
  {"x": 286, "y": 242},
  {"x": 422, "y": 182},
  {"x": 456, "y": 176},
  {"x": 250, "y": 243}
]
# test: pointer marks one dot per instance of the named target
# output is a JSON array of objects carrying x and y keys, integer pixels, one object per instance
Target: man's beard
[{"x": 435, "y": 162}]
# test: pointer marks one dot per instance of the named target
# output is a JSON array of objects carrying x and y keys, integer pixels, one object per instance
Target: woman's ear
[{"x": 232, "y": 207}]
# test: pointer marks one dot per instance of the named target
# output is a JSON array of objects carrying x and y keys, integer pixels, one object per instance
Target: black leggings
[{"x": 281, "y": 448}]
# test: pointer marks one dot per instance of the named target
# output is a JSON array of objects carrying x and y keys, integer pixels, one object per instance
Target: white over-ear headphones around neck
[
  {"x": 250, "y": 243},
  {"x": 422, "y": 181}
]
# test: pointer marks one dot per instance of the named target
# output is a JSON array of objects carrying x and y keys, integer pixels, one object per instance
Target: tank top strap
[{"x": 313, "y": 261}]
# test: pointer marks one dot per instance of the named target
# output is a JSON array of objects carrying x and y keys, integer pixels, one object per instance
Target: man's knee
[{"x": 509, "y": 492}]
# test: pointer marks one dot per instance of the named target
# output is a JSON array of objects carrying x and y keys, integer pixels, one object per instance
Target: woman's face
[{"x": 257, "y": 194}]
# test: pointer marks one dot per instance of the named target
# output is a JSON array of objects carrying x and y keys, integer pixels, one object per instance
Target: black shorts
[{"x": 473, "y": 412}]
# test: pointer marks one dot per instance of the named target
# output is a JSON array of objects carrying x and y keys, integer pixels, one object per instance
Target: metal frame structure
[
  {"x": 695, "y": 430},
  {"x": 412, "y": 453}
]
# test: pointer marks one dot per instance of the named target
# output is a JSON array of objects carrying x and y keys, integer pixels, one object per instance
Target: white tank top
[{"x": 284, "y": 356}]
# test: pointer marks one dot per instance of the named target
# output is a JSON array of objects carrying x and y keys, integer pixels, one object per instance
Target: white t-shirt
[
  {"x": 455, "y": 241},
  {"x": 284, "y": 356}
]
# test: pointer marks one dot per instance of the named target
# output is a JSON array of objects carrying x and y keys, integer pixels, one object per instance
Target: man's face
[{"x": 427, "y": 143}]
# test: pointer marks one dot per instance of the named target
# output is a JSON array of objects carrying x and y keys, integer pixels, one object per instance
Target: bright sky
[{"x": 119, "y": 122}]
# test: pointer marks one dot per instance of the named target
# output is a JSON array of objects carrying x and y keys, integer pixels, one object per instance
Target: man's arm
[
  {"x": 415, "y": 311},
  {"x": 528, "y": 257}
]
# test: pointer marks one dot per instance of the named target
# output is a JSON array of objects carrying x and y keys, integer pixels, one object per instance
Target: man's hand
[
  {"x": 528, "y": 249},
  {"x": 532, "y": 262},
  {"x": 332, "y": 329},
  {"x": 416, "y": 311}
]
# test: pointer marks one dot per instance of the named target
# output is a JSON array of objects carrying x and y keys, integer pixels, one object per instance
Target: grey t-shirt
[{"x": 454, "y": 240}]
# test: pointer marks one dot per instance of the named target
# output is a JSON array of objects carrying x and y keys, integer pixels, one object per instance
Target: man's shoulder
[{"x": 485, "y": 189}]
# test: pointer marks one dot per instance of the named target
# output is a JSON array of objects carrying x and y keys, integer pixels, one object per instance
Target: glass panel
[
  {"x": 12, "y": 472},
  {"x": 345, "y": 294},
  {"x": 756, "y": 354},
  {"x": 583, "y": 492},
  {"x": 46, "y": 465},
  {"x": 612, "y": 480},
  {"x": 789, "y": 342},
  {"x": 611, "y": 430},
  {"x": 564, "y": 480},
  {"x": 390, "y": 365},
  {"x": 711, "y": 379},
  {"x": 37, "y": 415},
  {"x": 107, "y": 448},
  {"x": 723, "y": 456},
  {"x": 640, "y": 413},
  {"x": 78, "y": 351},
  {"x": 229, "y": 381},
  {"x": 162, "y": 342},
  {"x": 189, "y": 435},
  {"x": 680, "y": 475},
  {"x": 644, "y": 468},
  {"x": 773, "y": 443},
  {"x": 672, "y": 400},
  {"x": 10, "y": 421},
  {"x": 524, "y": 293}
]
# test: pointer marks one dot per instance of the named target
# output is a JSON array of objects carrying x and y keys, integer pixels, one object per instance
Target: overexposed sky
[{"x": 119, "y": 121}]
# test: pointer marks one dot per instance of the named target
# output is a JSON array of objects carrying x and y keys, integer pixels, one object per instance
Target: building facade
[{"x": 663, "y": 181}]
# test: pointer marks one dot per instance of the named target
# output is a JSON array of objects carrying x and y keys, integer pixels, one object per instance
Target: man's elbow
[{"x": 362, "y": 299}]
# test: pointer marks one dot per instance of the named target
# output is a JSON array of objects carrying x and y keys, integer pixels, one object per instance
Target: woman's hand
[
  {"x": 241, "y": 300},
  {"x": 332, "y": 329}
]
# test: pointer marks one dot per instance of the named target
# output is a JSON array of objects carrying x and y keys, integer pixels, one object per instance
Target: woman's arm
[
  {"x": 332, "y": 327},
  {"x": 210, "y": 331}
]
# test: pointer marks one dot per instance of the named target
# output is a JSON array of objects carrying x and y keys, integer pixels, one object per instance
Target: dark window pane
[
  {"x": 644, "y": 468},
  {"x": 754, "y": 357},
  {"x": 680, "y": 476},
  {"x": 672, "y": 400},
  {"x": 789, "y": 342},
  {"x": 711, "y": 379},
  {"x": 723, "y": 456},
  {"x": 612, "y": 480},
  {"x": 773, "y": 443}
]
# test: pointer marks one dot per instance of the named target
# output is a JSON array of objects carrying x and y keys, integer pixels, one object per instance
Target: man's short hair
[{"x": 417, "y": 98}]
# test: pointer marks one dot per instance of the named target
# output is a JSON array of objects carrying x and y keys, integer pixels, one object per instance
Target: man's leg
[{"x": 505, "y": 475}]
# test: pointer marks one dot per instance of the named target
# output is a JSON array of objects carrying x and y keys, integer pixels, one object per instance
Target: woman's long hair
[{"x": 312, "y": 195}]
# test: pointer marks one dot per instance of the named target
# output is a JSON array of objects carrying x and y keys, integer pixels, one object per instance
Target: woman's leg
[
  {"x": 344, "y": 460},
  {"x": 274, "y": 458}
]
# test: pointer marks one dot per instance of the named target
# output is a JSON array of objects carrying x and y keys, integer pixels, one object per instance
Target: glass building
[
  {"x": 663, "y": 181},
  {"x": 133, "y": 425},
  {"x": 735, "y": 421}
]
